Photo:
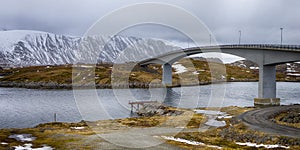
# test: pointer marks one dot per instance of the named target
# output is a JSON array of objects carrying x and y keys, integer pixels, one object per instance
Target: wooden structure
[{"x": 136, "y": 105}]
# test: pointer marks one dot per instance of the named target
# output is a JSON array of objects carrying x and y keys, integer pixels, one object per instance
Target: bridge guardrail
[{"x": 261, "y": 46}]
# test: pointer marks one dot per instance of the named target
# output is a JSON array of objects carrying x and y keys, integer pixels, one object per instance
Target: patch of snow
[
  {"x": 293, "y": 74},
  {"x": 3, "y": 143},
  {"x": 227, "y": 117},
  {"x": 77, "y": 128},
  {"x": 196, "y": 72},
  {"x": 262, "y": 145},
  {"x": 212, "y": 117},
  {"x": 254, "y": 68},
  {"x": 84, "y": 66},
  {"x": 209, "y": 112},
  {"x": 215, "y": 123},
  {"x": 224, "y": 117},
  {"x": 22, "y": 137},
  {"x": 180, "y": 127},
  {"x": 242, "y": 66},
  {"x": 28, "y": 147},
  {"x": 290, "y": 70},
  {"x": 179, "y": 68},
  {"x": 189, "y": 142}
]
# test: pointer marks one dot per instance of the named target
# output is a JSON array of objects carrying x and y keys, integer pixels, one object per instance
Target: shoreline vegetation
[
  {"x": 107, "y": 76},
  {"x": 85, "y": 135}
]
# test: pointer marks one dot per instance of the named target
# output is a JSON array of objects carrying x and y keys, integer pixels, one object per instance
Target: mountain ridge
[{"x": 31, "y": 48}]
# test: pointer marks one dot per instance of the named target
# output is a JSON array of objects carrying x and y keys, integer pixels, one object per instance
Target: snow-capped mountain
[{"x": 25, "y": 48}]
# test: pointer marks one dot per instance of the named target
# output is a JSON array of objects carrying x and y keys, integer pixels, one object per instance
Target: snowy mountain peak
[{"x": 24, "y": 48}]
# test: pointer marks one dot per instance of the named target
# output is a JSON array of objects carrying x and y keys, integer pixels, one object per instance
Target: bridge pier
[
  {"x": 267, "y": 86},
  {"x": 167, "y": 74}
]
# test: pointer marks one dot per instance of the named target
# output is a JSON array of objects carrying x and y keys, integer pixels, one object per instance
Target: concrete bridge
[{"x": 266, "y": 56}]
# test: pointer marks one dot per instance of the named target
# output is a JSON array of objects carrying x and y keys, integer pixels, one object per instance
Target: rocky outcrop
[{"x": 157, "y": 109}]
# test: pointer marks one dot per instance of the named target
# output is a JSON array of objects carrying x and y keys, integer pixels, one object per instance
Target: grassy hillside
[{"x": 123, "y": 73}]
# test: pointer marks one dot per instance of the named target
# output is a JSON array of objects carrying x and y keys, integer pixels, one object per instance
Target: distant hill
[
  {"x": 288, "y": 67},
  {"x": 285, "y": 72},
  {"x": 216, "y": 60}
]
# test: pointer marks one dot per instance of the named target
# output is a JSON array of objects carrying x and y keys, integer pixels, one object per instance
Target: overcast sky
[{"x": 259, "y": 20}]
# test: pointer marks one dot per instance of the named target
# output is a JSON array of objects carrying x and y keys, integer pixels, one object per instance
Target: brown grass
[
  {"x": 56, "y": 135},
  {"x": 123, "y": 72},
  {"x": 277, "y": 118},
  {"x": 62, "y": 136}
]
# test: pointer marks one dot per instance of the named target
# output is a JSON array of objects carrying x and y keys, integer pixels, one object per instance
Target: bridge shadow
[{"x": 172, "y": 97}]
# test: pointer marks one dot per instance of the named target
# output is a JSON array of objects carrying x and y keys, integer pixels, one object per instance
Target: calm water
[{"x": 21, "y": 108}]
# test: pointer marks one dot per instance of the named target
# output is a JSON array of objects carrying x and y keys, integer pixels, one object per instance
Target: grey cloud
[{"x": 259, "y": 20}]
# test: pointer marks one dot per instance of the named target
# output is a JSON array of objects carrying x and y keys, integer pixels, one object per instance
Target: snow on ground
[
  {"x": 179, "y": 68},
  {"x": 189, "y": 142},
  {"x": 77, "y": 128},
  {"x": 26, "y": 138},
  {"x": 196, "y": 72},
  {"x": 254, "y": 68},
  {"x": 295, "y": 74},
  {"x": 209, "y": 112},
  {"x": 28, "y": 147},
  {"x": 261, "y": 145},
  {"x": 224, "y": 117},
  {"x": 215, "y": 123},
  {"x": 84, "y": 66},
  {"x": 22, "y": 137},
  {"x": 212, "y": 116}
]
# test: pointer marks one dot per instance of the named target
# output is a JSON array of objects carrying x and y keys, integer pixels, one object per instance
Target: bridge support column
[
  {"x": 167, "y": 74},
  {"x": 267, "y": 86}
]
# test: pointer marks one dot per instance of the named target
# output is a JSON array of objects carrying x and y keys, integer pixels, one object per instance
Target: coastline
[
  {"x": 53, "y": 85},
  {"x": 234, "y": 134}
]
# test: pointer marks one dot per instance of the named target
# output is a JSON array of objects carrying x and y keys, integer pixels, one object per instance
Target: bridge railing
[{"x": 261, "y": 46}]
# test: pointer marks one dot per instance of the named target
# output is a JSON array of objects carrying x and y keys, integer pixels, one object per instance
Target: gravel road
[{"x": 259, "y": 119}]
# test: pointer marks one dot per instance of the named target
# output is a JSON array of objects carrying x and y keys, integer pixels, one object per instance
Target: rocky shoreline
[{"x": 54, "y": 85}]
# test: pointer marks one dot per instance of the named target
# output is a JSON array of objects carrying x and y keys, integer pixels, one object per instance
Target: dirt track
[{"x": 259, "y": 120}]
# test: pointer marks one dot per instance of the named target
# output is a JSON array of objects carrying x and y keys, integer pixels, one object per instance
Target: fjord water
[{"x": 20, "y": 108}]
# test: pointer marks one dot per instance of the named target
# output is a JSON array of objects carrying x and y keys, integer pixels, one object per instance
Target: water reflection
[{"x": 172, "y": 97}]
